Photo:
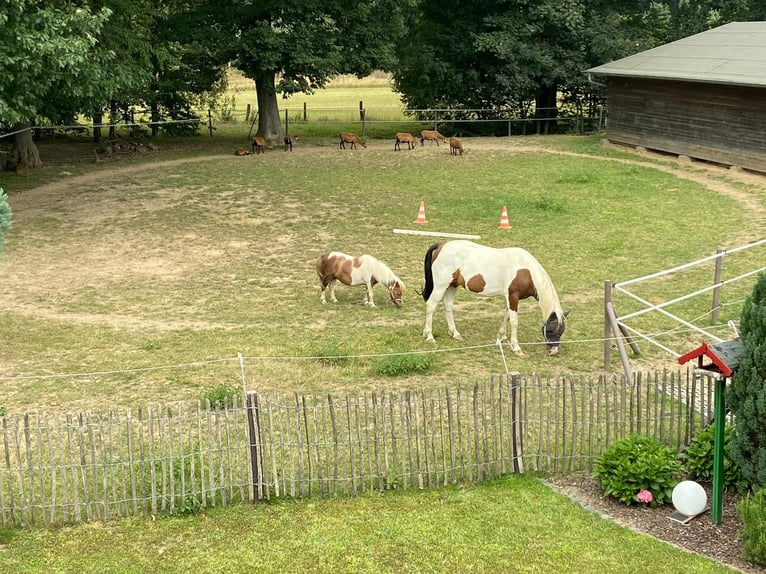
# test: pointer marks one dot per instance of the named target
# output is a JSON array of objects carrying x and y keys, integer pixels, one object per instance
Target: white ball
[{"x": 689, "y": 498}]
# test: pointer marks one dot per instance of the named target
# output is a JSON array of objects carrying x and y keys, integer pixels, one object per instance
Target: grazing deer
[
  {"x": 260, "y": 144},
  {"x": 431, "y": 135},
  {"x": 404, "y": 137},
  {"x": 455, "y": 146},
  {"x": 350, "y": 138}
]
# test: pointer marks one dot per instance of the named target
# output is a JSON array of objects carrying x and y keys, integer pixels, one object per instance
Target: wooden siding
[{"x": 712, "y": 122}]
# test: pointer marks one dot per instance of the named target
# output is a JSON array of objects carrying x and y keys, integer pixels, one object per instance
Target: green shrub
[
  {"x": 752, "y": 512},
  {"x": 638, "y": 463},
  {"x": 397, "y": 365},
  {"x": 221, "y": 395},
  {"x": 698, "y": 459},
  {"x": 746, "y": 395},
  {"x": 332, "y": 355},
  {"x": 174, "y": 475}
]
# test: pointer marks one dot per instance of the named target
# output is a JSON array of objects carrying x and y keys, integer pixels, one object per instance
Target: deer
[
  {"x": 431, "y": 135},
  {"x": 260, "y": 144},
  {"x": 455, "y": 146},
  {"x": 351, "y": 138},
  {"x": 289, "y": 141},
  {"x": 240, "y": 151},
  {"x": 404, "y": 137}
]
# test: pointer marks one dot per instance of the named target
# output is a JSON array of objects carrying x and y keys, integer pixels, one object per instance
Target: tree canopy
[
  {"x": 479, "y": 54},
  {"x": 65, "y": 58},
  {"x": 46, "y": 45},
  {"x": 289, "y": 46}
]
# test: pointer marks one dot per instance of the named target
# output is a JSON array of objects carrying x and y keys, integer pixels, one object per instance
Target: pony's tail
[{"x": 429, "y": 286}]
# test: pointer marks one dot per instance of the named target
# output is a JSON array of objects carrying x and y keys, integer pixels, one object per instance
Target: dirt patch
[{"x": 720, "y": 542}]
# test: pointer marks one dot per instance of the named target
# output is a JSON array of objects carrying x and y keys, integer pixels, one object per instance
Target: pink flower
[{"x": 644, "y": 496}]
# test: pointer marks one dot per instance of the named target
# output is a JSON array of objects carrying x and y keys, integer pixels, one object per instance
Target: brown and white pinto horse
[
  {"x": 364, "y": 270},
  {"x": 511, "y": 272}
]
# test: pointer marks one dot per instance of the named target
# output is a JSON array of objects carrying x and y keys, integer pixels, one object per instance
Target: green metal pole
[{"x": 718, "y": 440}]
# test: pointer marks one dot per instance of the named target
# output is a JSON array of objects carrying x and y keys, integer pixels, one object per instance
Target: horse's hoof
[
  {"x": 457, "y": 337},
  {"x": 520, "y": 353},
  {"x": 553, "y": 351}
]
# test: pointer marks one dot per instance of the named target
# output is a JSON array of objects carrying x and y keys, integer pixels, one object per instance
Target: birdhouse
[
  {"x": 724, "y": 356},
  {"x": 724, "y": 361}
]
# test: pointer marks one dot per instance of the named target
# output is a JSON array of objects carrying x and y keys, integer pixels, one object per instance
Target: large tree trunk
[
  {"x": 98, "y": 119},
  {"x": 24, "y": 153},
  {"x": 546, "y": 108},
  {"x": 269, "y": 124}
]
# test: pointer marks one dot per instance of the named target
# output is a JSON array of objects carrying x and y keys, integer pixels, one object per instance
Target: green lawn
[{"x": 511, "y": 525}]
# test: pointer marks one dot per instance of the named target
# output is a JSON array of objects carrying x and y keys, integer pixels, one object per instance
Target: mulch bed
[{"x": 720, "y": 542}]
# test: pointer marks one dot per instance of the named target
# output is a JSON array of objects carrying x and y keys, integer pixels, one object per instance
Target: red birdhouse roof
[{"x": 725, "y": 356}]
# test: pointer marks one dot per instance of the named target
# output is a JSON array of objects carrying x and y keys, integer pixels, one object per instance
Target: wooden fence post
[
  {"x": 607, "y": 326},
  {"x": 253, "y": 427},
  {"x": 517, "y": 456}
]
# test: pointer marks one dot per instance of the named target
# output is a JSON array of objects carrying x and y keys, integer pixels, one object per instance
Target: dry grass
[{"x": 142, "y": 281}]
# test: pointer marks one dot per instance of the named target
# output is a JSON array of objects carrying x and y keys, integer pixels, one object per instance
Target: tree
[
  {"x": 747, "y": 391},
  {"x": 483, "y": 54},
  {"x": 291, "y": 46},
  {"x": 5, "y": 217},
  {"x": 480, "y": 54},
  {"x": 46, "y": 48}
]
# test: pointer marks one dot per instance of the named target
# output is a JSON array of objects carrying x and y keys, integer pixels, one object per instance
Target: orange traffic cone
[
  {"x": 504, "y": 223},
  {"x": 421, "y": 213}
]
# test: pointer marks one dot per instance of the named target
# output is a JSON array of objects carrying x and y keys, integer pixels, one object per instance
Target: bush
[
  {"x": 746, "y": 395},
  {"x": 331, "y": 354},
  {"x": 638, "y": 463},
  {"x": 397, "y": 365},
  {"x": 752, "y": 512},
  {"x": 698, "y": 459},
  {"x": 221, "y": 395}
]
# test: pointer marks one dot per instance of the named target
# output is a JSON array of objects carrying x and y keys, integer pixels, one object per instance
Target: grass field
[
  {"x": 140, "y": 280},
  {"x": 510, "y": 525},
  {"x": 340, "y": 100}
]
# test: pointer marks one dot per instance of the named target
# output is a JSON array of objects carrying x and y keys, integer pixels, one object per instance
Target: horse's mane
[{"x": 547, "y": 295}]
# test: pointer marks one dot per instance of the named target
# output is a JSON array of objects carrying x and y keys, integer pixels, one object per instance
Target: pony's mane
[{"x": 382, "y": 272}]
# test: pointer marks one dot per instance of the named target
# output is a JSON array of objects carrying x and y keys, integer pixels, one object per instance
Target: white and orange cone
[
  {"x": 421, "y": 213},
  {"x": 504, "y": 223}
]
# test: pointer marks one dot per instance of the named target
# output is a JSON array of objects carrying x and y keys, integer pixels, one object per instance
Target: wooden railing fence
[{"x": 69, "y": 468}]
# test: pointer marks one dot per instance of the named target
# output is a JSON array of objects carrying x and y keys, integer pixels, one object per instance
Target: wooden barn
[{"x": 703, "y": 96}]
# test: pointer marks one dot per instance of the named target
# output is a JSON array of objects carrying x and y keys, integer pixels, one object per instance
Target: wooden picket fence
[{"x": 69, "y": 468}]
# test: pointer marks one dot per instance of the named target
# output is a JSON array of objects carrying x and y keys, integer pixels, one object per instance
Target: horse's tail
[{"x": 429, "y": 286}]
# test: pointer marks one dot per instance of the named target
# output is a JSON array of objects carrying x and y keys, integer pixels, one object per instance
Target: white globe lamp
[{"x": 689, "y": 498}]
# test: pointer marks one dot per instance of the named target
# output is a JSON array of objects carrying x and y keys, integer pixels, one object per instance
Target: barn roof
[{"x": 734, "y": 54}]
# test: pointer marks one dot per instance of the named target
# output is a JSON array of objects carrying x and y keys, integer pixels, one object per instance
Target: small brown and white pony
[
  {"x": 512, "y": 273},
  {"x": 363, "y": 270}
]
